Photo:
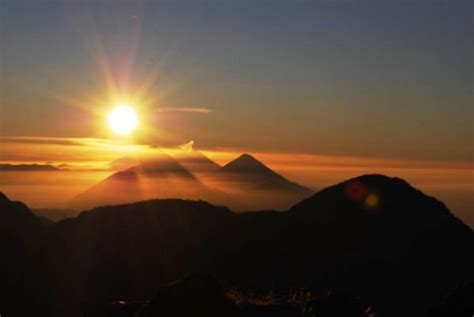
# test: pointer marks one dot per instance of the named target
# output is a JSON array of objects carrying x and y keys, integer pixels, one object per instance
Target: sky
[
  {"x": 377, "y": 78},
  {"x": 379, "y": 81}
]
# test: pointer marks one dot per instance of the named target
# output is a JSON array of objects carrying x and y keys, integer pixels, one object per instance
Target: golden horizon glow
[{"x": 123, "y": 119}]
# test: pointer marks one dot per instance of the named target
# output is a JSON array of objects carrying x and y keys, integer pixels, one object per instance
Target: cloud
[
  {"x": 41, "y": 140},
  {"x": 27, "y": 167},
  {"x": 186, "y": 109}
]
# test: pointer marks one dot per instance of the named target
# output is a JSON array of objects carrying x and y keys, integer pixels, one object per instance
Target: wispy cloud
[
  {"x": 187, "y": 146},
  {"x": 186, "y": 109},
  {"x": 27, "y": 167},
  {"x": 41, "y": 140}
]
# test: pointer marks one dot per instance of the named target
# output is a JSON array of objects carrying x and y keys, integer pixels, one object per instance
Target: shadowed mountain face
[
  {"x": 243, "y": 184},
  {"x": 377, "y": 237}
]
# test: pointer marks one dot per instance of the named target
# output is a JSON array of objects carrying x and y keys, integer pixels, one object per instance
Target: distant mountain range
[
  {"x": 243, "y": 184},
  {"x": 373, "y": 236}
]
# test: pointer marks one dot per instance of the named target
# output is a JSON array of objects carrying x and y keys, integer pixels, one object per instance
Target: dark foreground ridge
[{"x": 375, "y": 237}]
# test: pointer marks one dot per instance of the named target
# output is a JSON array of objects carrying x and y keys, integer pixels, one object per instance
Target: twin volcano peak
[{"x": 192, "y": 175}]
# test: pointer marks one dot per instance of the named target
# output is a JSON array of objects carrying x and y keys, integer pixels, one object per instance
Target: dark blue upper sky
[{"x": 384, "y": 78}]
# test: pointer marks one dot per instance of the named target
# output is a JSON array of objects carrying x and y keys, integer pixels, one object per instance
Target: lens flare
[
  {"x": 372, "y": 200},
  {"x": 356, "y": 191}
]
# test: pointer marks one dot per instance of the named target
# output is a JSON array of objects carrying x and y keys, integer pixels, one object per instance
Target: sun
[{"x": 123, "y": 119}]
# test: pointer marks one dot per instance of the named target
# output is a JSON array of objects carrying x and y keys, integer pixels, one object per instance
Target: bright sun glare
[{"x": 123, "y": 119}]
